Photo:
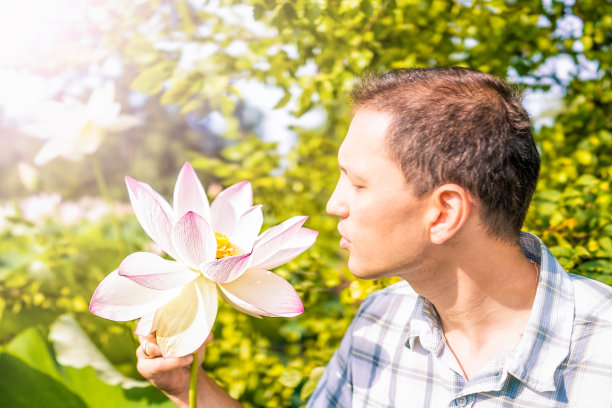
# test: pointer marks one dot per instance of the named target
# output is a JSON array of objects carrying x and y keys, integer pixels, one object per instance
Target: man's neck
[{"x": 483, "y": 295}]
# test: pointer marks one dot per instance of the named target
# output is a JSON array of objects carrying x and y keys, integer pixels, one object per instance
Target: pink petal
[
  {"x": 247, "y": 229},
  {"x": 154, "y": 272},
  {"x": 282, "y": 243},
  {"x": 184, "y": 323},
  {"x": 153, "y": 213},
  {"x": 189, "y": 195},
  {"x": 300, "y": 241},
  {"x": 271, "y": 233},
  {"x": 119, "y": 298},
  {"x": 226, "y": 269},
  {"x": 261, "y": 292},
  {"x": 194, "y": 239},
  {"x": 145, "y": 325},
  {"x": 240, "y": 198}
]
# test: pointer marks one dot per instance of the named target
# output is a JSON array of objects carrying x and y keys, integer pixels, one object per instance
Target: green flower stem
[
  {"x": 193, "y": 382},
  {"x": 95, "y": 163}
]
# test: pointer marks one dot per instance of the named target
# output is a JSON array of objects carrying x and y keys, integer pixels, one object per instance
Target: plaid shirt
[{"x": 394, "y": 353}]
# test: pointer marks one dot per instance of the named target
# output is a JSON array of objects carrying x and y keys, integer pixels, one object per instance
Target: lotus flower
[
  {"x": 216, "y": 248},
  {"x": 73, "y": 129}
]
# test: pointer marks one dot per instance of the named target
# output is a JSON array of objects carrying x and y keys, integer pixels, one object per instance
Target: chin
[{"x": 362, "y": 270}]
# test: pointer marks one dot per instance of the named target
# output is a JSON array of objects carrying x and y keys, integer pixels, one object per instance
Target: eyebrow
[{"x": 352, "y": 175}]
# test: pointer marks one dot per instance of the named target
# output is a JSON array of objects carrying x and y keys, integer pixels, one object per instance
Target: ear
[{"x": 450, "y": 209}]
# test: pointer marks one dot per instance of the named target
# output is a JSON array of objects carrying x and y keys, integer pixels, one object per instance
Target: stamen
[{"x": 224, "y": 246}]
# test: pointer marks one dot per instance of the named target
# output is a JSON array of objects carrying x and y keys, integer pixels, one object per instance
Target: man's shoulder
[{"x": 592, "y": 298}]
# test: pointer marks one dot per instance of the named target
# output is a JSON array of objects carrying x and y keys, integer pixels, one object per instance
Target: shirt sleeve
[{"x": 335, "y": 388}]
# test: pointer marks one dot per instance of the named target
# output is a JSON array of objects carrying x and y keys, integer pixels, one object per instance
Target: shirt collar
[
  {"x": 546, "y": 341},
  {"x": 425, "y": 327}
]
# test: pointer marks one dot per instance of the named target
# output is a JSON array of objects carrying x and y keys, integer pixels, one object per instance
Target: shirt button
[{"x": 461, "y": 401}]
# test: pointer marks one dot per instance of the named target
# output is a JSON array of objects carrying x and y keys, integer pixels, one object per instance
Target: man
[{"x": 437, "y": 171}]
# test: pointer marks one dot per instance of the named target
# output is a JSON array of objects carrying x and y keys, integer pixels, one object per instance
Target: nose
[{"x": 337, "y": 205}]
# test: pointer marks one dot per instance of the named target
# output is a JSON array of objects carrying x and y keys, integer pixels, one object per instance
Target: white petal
[
  {"x": 154, "y": 272},
  {"x": 101, "y": 106},
  {"x": 194, "y": 240},
  {"x": 123, "y": 123},
  {"x": 189, "y": 195},
  {"x": 119, "y": 298},
  {"x": 50, "y": 150},
  {"x": 224, "y": 222},
  {"x": 184, "y": 323},
  {"x": 264, "y": 293},
  {"x": 145, "y": 325},
  {"x": 101, "y": 96},
  {"x": 161, "y": 201},
  {"x": 247, "y": 229},
  {"x": 88, "y": 141},
  {"x": 153, "y": 214},
  {"x": 240, "y": 198},
  {"x": 238, "y": 304},
  {"x": 226, "y": 269}
]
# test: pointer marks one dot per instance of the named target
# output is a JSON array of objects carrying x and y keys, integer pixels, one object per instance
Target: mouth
[{"x": 344, "y": 242}]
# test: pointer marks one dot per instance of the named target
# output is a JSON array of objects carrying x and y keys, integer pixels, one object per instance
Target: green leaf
[
  {"x": 23, "y": 386},
  {"x": 258, "y": 11},
  {"x": 283, "y": 101},
  {"x": 606, "y": 243},
  {"x": 587, "y": 180},
  {"x": 290, "y": 378},
  {"x": 180, "y": 92},
  {"x": 311, "y": 384},
  {"x": 288, "y": 11},
  {"x": 30, "y": 361},
  {"x": 151, "y": 79}
]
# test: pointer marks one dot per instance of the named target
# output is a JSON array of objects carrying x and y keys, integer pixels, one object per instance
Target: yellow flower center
[{"x": 224, "y": 247}]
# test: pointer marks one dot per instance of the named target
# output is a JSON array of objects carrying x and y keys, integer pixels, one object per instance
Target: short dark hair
[{"x": 458, "y": 125}]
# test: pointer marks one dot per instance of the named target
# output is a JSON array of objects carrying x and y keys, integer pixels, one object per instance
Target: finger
[
  {"x": 150, "y": 338},
  {"x": 209, "y": 339},
  {"x": 202, "y": 350},
  {"x": 148, "y": 350},
  {"x": 152, "y": 367}
]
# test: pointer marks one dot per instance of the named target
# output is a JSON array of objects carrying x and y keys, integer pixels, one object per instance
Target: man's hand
[{"x": 171, "y": 375}]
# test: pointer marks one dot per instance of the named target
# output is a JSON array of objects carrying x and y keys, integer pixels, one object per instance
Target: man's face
[{"x": 381, "y": 221}]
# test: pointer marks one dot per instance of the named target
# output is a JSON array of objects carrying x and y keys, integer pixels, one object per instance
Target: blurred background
[{"x": 94, "y": 90}]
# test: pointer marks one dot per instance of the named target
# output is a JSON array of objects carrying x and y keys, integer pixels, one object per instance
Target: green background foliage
[{"x": 312, "y": 51}]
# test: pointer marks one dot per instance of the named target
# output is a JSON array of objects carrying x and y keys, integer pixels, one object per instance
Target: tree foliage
[{"x": 197, "y": 58}]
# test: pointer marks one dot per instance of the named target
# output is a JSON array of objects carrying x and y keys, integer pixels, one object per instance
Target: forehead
[
  {"x": 364, "y": 150},
  {"x": 365, "y": 137}
]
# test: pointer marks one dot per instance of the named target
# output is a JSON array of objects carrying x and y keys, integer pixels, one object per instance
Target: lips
[{"x": 344, "y": 242}]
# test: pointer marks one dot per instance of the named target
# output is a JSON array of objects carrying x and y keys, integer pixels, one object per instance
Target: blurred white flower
[
  {"x": 95, "y": 208},
  {"x": 71, "y": 213},
  {"x": 73, "y": 129},
  {"x": 39, "y": 207}
]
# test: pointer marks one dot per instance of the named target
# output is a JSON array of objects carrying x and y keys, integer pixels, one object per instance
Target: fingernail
[{"x": 188, "y": 359}]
